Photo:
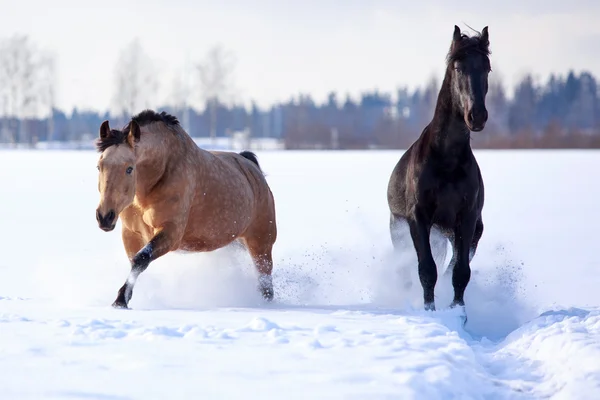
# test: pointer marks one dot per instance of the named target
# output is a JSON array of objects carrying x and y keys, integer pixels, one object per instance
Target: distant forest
[{"x": 562, "y": 112}]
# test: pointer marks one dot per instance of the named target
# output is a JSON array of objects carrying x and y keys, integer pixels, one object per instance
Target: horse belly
[
  {"x": 197, "y": 244},
  {"x": 214, "y": 224},
  {"x": 214, "y": 231}
]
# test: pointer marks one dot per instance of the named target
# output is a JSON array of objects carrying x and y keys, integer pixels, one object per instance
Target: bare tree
[
  {"x": 180, "y": 95},
  {"x": 135, "y": 80},
  {"x": 215, "y": 73},
  {"x": 497, "y": 107},
  {"x": 26, "y": 76},
  {"x": 48, "y": 90}
]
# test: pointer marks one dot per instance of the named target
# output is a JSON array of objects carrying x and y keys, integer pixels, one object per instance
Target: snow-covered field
[{"x": 342, "y": 326}]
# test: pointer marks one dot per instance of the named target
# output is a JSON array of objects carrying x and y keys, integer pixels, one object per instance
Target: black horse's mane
[{"x": 468, "y": 45}]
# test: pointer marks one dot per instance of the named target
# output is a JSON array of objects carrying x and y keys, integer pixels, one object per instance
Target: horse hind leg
[
  {"x": 261, "y": 254},
  {"x": 399, "y": 232},
  {"x": 438, "y": 240},
  {"x": 451, "y": 237},
  {"x": 403, "y": 246}
]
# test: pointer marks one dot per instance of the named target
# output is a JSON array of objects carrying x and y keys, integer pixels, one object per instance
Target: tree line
[{"x": 560, "y": 112}]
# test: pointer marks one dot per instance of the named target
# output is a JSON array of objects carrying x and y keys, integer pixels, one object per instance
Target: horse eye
[
  {"x": 129, "y": 170},
  {"x": 98, "y": 167}
]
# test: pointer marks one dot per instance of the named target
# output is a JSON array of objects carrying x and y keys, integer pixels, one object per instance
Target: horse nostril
[
  {"x": 106, "y": 220},
  {"x": 471, "y": 116}
]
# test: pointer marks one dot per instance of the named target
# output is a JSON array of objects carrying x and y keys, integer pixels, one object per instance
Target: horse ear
[
  {"x": 485, "y": 37},
  {"x": 104, "y": 130},
  {"x": 134, "y": 133},
  {"x": 457, "y": 35}
]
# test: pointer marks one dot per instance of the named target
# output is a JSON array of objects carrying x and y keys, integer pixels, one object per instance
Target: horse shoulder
[{"x": 168, "y": 203}]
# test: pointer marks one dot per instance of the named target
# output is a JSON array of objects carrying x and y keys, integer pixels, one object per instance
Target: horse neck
[
  {"x": 450, "y": 133},
  {"x": 154, "y": 154}
]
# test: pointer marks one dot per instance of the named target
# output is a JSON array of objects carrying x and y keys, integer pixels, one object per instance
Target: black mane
[
  {"x": 148, "y": 116},
  {"x": 116, "y": 137},
  {"x": 145, "y": 117},
  {"x": 467, "y": 46}
]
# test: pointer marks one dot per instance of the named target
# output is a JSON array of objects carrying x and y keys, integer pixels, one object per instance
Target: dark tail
[{"x": 252, "y": 157}]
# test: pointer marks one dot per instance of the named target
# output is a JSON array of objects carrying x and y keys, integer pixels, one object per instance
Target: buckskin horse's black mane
[{"x": 145, "y": 117}]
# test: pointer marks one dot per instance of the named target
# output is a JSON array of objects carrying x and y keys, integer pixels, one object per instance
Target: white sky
[{"x": 284, "y": 48}]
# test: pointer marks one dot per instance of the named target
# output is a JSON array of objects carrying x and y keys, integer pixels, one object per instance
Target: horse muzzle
[
  {"x": 107, "y": 221},
  {"x": 476, "y": 119}
]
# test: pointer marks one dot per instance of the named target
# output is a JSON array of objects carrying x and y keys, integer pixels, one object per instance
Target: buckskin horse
[
  {"x": 171, "y": 195},
  {"x": 437, "y": 184}
]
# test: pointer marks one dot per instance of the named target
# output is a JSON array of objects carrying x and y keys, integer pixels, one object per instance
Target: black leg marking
[
  {"x": 265, "y": 283},
  {"x": 139, "y": 263}
]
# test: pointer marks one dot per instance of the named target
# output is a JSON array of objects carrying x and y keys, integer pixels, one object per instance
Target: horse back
[
  {"x": 260, "y": 217},
  {"x": 246, "y": 164}
]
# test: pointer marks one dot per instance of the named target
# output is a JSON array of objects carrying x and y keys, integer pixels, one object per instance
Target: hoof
[
  {"x": 463, "y": 311},
  {"x": 429, "y": 306},
  {"x": 120, "y": 305},
  {"x": 267, "y": 294},
  {"x": 456, "y": 304},
  {"x": 265, "y": 285}
]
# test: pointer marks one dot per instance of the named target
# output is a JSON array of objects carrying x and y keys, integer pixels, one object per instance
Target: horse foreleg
[
  {"x": 476, "y": 236},
  {"x": 132, "y": 241},
  {"x": 464, "y": 237},
  {"x": 158, "y": 246},
  {"x": 420, "y": 229}
]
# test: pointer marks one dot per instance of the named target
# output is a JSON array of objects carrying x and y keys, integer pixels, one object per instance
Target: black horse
[{"x": 437, "y": 183}]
